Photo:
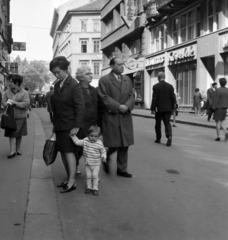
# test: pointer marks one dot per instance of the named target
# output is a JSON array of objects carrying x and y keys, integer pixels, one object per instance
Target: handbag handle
[
  {"x": 7, "y": 113},
  {"x": 53, "y": 137}
]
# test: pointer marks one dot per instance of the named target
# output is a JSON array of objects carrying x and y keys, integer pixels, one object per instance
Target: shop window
[
  {"x": 96, "y": 46},
  {"x": 158, "y": 38}
]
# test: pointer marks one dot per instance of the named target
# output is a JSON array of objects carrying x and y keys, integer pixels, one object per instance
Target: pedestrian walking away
[
  {"x": 176, "y": 108},
  {"x": 92, "y": 116},
  {"x": 68, "y": 115},
  {"x": 220, "y": 106},
  {"x": 48, "y": 100},
  {"x": 210, "y": 94},
  {"x": 93, "y": 153},
  {"x": 197, "y": 98},
  {"x": 117, "y": 101},
  {"x": 17, "y": 98},
  {"x": 163, "y": 105}
]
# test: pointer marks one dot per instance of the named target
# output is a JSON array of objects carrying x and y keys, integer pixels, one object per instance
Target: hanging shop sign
[
  {"x": 132, "y": 63},
  {"x": 155, "y": 62},
  {"x": 151, "y": 10},
  {"x": 129, "y": 17},
  {"x": 182, "y": 55},
  {"x": 19, "y": 46},
  {"x": 223, "y": 42}
]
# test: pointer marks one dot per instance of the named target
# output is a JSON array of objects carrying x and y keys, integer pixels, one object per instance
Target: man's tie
[
  {"x": 61, "y": 84},
  {"x": 119, "y": 78}
]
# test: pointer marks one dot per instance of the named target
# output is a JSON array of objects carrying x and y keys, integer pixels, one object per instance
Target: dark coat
[
  {"x": 220, "y": 98},
  {"x": 117, "y": 127},
  {"x": 210, "y": 94},
  {"x": 48, "y": 100},
  {"x": 91, "y": 111},
  {"x": 68, "y": 105},
  {"x": 163, "y": 99}
]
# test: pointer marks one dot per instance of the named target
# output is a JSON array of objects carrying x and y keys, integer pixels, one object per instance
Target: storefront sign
[
  {"x": 182, "y": 55},
  {"x": 129, "y": 17},
  {"x": 158, "y": 60},
  {"x": 132, "y": 63},
  {"x": 162, "y": 3},
  {"x": 224, "y": 43}
]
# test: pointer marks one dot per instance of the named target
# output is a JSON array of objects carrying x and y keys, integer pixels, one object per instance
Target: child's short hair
[{"x": 94, "y": 129}]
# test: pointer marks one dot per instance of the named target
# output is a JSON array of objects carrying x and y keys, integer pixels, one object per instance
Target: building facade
[
  {"x": 77, "y": 37},
  {"x": 5, "y": 38},
  {"x": 123, "y": 35},
  {"x": 188, "y": 40}
]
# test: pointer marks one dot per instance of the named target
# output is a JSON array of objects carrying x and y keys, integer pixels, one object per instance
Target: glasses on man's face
[{"x": 89, "y": 73}]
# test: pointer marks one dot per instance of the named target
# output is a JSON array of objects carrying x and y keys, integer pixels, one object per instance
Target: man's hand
[
  {"x": 74, "y": 131},
  {"x": 123, "y": 108},
  {"x": 103, "y": 159}
]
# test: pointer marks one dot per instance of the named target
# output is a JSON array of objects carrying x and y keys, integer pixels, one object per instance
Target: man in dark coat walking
[
  {"x": 210, "y": 94},
  {"x": 116, "y": 94},
  {"x": 163, "y": 103}
]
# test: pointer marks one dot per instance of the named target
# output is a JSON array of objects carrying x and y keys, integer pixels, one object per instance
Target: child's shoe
[
  {"x": 95, "y": 193},
  {"x": 88, "y": 191}
]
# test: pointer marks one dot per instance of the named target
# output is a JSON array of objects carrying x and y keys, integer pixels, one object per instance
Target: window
[
  {"x": 84, "y": 46},
  {"x": 158, "y": 38},
  {"x": 187, "y": 26},
  {"x": 135, "y": 47},
  {"x": 213, "y": 9},
  {"x": 96, "y": 68},
  {"x": 84, "y": 25},
  {"x": 96, "y": 25},
  {"x": 96, "y": 46}
]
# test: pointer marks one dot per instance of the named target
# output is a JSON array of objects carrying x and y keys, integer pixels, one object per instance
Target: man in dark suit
[
  {"x": 210, "y": 94},
  {"x": 116, "y": 95},
  {"x": 163, "y": 103}
]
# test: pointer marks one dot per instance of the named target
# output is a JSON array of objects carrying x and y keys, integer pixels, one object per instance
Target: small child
[{"x": 93, "y": 153}]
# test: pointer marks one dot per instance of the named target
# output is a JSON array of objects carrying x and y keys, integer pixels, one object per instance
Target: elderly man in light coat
[{"x": 117, "y": 100}]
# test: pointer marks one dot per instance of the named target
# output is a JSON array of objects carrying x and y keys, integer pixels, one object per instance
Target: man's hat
[{"x": 213, "y": 84}]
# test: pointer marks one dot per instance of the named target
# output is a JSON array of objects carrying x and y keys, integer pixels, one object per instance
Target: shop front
[
  {"x": 183, "y": 67},
  {"x": 134, "y": 68},
  {"x": 153, "y": 66},
  {"x": 223, "y": 50}
]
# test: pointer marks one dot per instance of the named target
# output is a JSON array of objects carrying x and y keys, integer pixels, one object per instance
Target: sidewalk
[{"x": 183, "y": 118}]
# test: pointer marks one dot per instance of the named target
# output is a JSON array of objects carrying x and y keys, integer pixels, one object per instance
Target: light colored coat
[
  {"x": 117, "y": 127},
  {"x": 22, "y": 102}
]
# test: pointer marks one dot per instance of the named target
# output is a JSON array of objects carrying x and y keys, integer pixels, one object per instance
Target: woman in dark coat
[
  {"x": 68, "y": 116},
  {"x": 18, "y": 99},
  {"x": 84, "y": 76},
  {"x": 220, "y": 106}
]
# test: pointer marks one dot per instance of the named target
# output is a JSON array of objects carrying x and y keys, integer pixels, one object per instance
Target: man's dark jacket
[{"x": 163, "y": 99}]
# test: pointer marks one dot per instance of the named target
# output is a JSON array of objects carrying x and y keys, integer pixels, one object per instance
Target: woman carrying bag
[{"x": 18, "y": 99}]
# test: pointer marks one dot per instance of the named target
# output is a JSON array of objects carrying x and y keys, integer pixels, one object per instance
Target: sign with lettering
[
  {"x": 132, "y": 63},
  {"x": 158, "y": 60},
  {"x": 129, "y": 17},
  {"x": 19, "y": 46},
  {"x": 162, "y": 3},
  {"x": 224, "y": 42},
  {"x": 182, "y": 55}
]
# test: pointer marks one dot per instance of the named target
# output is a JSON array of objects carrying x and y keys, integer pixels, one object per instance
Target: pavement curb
[
  {"x": 178, "y": 121},
  {"x": 42, "y": 216}
]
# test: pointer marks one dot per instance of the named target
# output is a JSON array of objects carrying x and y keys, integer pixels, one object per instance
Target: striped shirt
[{"x": 92, "y": 152}]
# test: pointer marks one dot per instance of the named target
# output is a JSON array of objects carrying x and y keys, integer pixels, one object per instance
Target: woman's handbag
[
  {"x": 50, "y": 150},
  {"x": 7, "y": 120}
]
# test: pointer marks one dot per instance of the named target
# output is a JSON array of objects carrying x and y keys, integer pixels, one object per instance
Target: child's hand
[
  {"x": 103, "y": 159},
  {"x": 71, "y": 134}
]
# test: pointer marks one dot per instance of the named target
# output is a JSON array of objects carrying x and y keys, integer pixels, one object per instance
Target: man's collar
[{"x": 116, "y": 76}]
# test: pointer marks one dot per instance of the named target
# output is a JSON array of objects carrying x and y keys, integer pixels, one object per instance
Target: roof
[{"x": 93, "y": 6}]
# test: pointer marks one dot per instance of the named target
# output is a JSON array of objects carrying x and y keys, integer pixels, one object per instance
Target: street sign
[{"x": 19, "y": 46}]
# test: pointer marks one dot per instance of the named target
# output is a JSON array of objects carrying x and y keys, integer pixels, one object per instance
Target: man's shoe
[
  {"x": 217, "y": 139},
  {"x": 169, "y": 142},
  {"x": 157, "y": 141},
  {"x": 88, "y": 191},
  {"x": 106, "y": 167},
  {"x": 124, "y": 174}
]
